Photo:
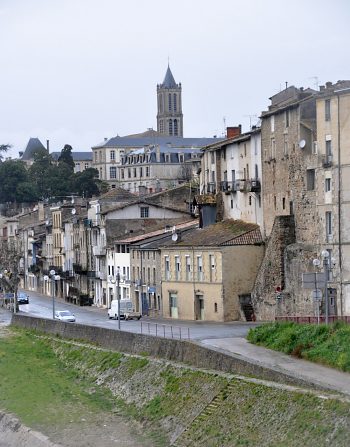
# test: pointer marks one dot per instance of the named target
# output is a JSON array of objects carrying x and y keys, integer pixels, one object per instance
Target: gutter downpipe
[{"x": 339, "y": 215}]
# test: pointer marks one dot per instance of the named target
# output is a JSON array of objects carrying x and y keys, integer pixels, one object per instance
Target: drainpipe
[{"x": 339, "y": 216}]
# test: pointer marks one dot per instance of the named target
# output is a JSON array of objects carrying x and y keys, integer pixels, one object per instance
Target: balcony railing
[
  {"x": 227, "y": 186},
  {"x": 211, "y": 188}
]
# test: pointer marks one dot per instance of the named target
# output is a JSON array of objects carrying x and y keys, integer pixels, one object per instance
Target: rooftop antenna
[
  {"x": 315, "y": 78},
  {"x": 286, "y": 84},
  {"x": 250, "y": 119},
  {"x": 224, "y": 120}
]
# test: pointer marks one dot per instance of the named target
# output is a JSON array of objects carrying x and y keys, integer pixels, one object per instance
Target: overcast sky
[{"x": 76, "y": 71}]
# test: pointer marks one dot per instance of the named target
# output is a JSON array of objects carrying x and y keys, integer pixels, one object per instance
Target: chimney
[
  {"x": 233, "y": 131},
  {"x": 328, "y": 84},
  {"x": 48, "y": 145},
  {"x": 105, "y": 138},
  {"x": 322, "y": 88}
]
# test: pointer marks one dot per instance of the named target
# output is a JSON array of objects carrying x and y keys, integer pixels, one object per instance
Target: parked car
[
  {"x": 22, "y": 298},
  {"x": 65, "y": 315}
]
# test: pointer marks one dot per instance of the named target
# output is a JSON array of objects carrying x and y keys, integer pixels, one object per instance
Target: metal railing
[{"x": 165, "y": 330}]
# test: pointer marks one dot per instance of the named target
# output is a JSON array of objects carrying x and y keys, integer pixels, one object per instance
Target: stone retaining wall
[{"x": 180, "y": 351}]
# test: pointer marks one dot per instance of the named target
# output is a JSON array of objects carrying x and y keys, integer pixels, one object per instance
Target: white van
[{"x": 126, "y": 310}]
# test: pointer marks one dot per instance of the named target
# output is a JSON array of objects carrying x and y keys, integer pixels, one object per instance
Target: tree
[
  {"x": 40, "y": 173},
  {"x": 13, "y": 174},
  {"x": 66, "y": 157},
  {"x": 86, "y": 183},
  {"x": 11, "y": 253},
  {"x": 4, "y": 148}
]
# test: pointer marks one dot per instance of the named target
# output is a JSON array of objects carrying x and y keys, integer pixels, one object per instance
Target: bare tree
[{"x": 10, "y": 255}]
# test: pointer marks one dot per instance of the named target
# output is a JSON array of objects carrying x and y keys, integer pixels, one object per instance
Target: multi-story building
[
  {"x": 332, "y": 185},
  {"x": 231, "y": 170},
  {"x": 207, "y": 272}
]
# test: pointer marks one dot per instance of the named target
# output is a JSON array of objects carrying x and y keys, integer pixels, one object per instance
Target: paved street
[{"x": 41, "y": 306}]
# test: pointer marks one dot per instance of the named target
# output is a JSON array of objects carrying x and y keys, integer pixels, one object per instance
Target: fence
[
  {"x": 315, "y": 320},
  {"x": 165, "y": 330}
]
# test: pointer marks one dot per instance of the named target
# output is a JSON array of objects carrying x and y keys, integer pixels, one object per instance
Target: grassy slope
[
  {"x": 48, "y": 382},
  {"x": 329, "y": 345}
]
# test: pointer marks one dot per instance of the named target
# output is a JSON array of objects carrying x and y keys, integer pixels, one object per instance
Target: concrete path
[{"x": 327, "y": 378}]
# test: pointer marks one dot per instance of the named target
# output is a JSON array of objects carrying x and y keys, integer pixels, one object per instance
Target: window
[
  {"x": 129, "y": 173},
  {"x": 215, "y": 307},
  {"x": 161, "y": 126},
  {"x": 273, "y": 148},
  {"x": 147, "y": 171},
  {"x": 167, "y": 267},
  {"x": 175, "y": 127},
  {"x": 177, "y": 267},
  {"x": 211, "y": 267},
  {"x": 285, "y": 147},
  {"x": 287, "y": 118},
  {"x": 233, "y": 176},
  {"x": 188, "y": 268},
  {"x": 112, "y": 155},
  {"x": 256, "y": 171},
  {"x": 327, "y": 185},
  {"x": 250, "y": 200},
  {"x": 328, "y": 148},
  {"x": 212, "y": 156},
  {"x": 272, "y": 123},
  {"x": 112, "y": 172},
  {"x": 284, "y": 203},
  {"x": 328, "y": 225},
  {"x": 170, "y": 127},
  {"x": 154, "y": 275},
  {"x": 175, "y": 103},
  {"x": 327, "y": 110},
  {"x": 167, "y": 158},
  {"x": 199, "y": 268},
  {"x": 141, "y": 172},
  {"x": 144, "y": 211},
  {"x": 77, "y": 167},
  {"x": 310, "y": 179},
  {"x": 134, "y": 172},
  {"x": 169, "y": 101},
  {"x": 122, "y": 173},
  {"x": 86, "y": 165},
  {"x": 181, "y": 158}
]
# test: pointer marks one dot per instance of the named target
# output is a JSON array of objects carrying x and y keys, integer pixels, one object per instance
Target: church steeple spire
[{"x": 169, "y": 116}]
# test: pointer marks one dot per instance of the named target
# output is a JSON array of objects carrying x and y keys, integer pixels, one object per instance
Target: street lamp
[
  {"x": 113, "y": 281},
  {"x": 54, "y": 278},
  {"x": 328, "y": 265}
]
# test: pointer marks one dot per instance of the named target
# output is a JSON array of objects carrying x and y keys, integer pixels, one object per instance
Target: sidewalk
[{"x": 321, "y": 376}]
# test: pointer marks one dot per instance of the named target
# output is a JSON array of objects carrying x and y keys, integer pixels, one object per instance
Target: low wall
[{"x": 181, "y": 351}]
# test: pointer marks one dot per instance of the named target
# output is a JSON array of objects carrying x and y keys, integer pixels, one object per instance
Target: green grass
[
  {"x": 37, "y": 387},
  {"x": 326, "y": 344}
]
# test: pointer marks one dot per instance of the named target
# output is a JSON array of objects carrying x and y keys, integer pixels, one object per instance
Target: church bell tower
[{"x": 169, "y": 102}]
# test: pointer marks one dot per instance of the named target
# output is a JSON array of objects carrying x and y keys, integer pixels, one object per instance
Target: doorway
[{"x": 199, "y": 307}]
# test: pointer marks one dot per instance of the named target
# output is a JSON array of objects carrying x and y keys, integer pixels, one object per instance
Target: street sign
[
  {"x": 317, "y": 294},
  {"x": 314, "y": 280}
]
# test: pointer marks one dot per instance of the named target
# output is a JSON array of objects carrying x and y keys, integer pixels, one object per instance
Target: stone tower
[{"x": 169, "y": 101}]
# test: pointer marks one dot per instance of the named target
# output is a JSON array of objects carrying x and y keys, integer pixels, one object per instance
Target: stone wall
[
  {"x": 271, "y": 274},
  {"x": 182, "y": 351}
]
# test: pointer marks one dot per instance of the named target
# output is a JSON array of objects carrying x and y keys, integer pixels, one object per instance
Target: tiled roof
[
  {"x": 227, "y": 232},
  {"x": 77, "y": 156},
  {"x": 142, "y": 237}
]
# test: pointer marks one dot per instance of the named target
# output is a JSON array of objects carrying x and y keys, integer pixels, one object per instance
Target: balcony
[
  {"x": 99, "y": 250},
  {"x": 241, "y": 185},
  {"x": 255, "y": 185},
  {"x": 228, "y": 187},
  {"x": 211, "y": 188}
]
